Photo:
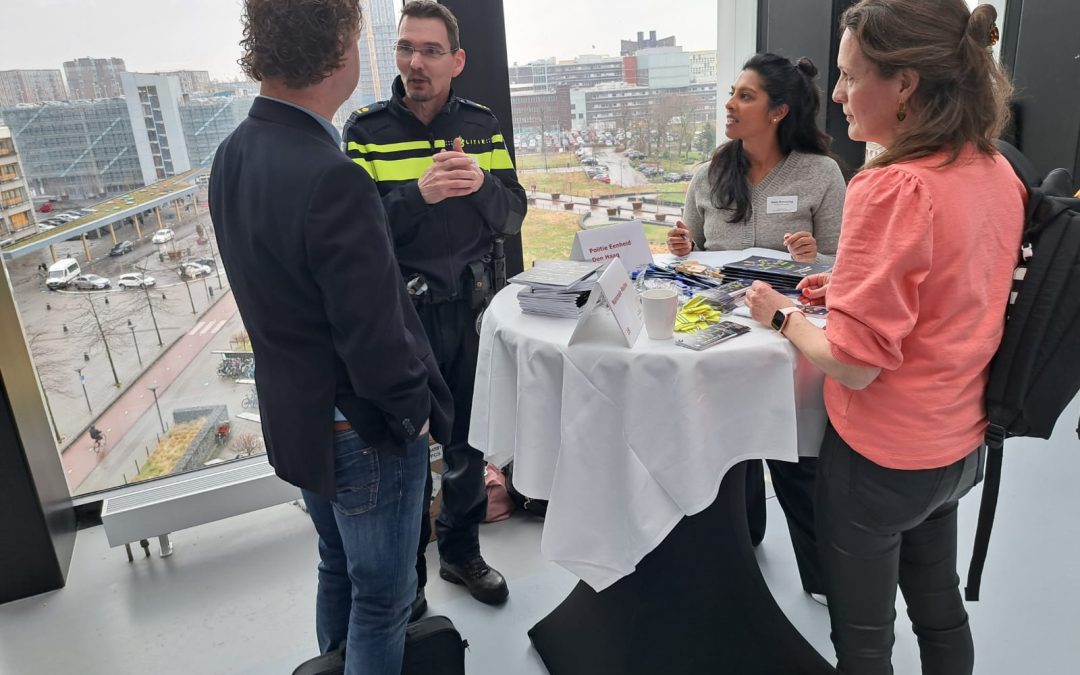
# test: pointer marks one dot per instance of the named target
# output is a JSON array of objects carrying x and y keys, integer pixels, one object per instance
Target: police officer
[{"x": 449, "y": 188}]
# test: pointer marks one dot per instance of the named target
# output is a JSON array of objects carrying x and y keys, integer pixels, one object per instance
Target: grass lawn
[
  {"x": 169, "y": 451},
  {"x": 578, "y": 184},
  {"x": 535, "y": 160},
  {"x": 547, "y": 235}
]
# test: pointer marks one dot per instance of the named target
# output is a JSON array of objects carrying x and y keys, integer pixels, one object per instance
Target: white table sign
[
  {"x": 614, "y": 291},
  {"x": 625, "y": 241}
]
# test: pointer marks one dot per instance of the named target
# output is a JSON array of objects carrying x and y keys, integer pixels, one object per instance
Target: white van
[{"x": 62, "y": 272}]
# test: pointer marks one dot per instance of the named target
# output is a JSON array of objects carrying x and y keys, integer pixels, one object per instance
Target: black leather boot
[{"x": 484, "y": 583}]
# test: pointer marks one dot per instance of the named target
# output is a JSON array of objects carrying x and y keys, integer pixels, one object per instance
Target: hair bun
[
  {"x": 807, "y": 67},
  {"x": 981, "y": 27}
]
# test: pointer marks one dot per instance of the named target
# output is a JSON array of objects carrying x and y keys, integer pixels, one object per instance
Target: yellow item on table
[{"x": 695, "y": 315}]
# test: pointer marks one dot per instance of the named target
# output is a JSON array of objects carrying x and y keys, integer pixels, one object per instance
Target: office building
[
  {"x": 90, "y": 78},
  {"x": 153, "y": 107},
  {"x": 16, "y": 207},
  {"x": 191, "y": 81},
  {"x": 31, "y": 86}
]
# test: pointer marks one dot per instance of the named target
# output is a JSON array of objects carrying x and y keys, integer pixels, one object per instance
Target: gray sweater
[{"x": 814, "y": 181}]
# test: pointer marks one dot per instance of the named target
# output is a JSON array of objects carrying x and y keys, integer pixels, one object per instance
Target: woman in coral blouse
[{"x": 930, "y": 236}]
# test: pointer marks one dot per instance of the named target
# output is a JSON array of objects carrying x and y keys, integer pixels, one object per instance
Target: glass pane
[
  {"x": 106, "y": 236},
  {"x": 610, "y": 117}
]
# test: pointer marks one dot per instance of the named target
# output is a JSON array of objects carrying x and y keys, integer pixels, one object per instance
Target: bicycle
[{"x": 99, "y": 445}]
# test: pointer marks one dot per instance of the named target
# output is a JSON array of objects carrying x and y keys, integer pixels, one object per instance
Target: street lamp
[
  {"x": 82, "y": 381},
  {"x": 187, "y": 285},
  {"x": 153, "y": 389},
  {"x": 136, "y": 341}
]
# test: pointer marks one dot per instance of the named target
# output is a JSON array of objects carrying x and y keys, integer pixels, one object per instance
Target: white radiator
[{"x": 211, "y": 494}]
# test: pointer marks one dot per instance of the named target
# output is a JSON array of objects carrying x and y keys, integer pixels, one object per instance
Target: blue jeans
[{"x": 367, "y": 546}]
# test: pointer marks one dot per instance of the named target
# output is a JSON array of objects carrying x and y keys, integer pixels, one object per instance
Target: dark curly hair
[{"x": 299, "y": 42}]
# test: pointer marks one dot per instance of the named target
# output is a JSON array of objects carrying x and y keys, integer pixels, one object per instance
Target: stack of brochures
[
  {"x": 557, "y": 288},
  {"x": 780, "y": 274}
]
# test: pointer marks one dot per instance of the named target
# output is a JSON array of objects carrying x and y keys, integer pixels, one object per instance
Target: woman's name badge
[{"x": 782, "y": 204}]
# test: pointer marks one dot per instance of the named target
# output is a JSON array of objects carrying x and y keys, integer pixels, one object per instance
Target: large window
[{"x": 610, "y": 117}]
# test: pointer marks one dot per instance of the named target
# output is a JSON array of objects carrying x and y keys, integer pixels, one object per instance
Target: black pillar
[
  {"x": 37, "y": 522},
  {"x": 1039, "y": 47},
  {"x": 797, "y": 28},
  {"x": 486, "y": 79}
]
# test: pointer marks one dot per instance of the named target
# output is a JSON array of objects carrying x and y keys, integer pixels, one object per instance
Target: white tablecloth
[{"x": 626, "y": 442}]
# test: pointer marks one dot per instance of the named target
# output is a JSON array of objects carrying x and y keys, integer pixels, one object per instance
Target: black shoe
[
  {"x": 484, "y": 583},
  {"x": 419, "y": 606}
]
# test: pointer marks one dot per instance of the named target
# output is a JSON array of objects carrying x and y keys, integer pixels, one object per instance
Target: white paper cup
[{"x": 659, "y": 307}]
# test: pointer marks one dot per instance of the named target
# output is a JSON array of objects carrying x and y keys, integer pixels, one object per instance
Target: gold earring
[{"x": 901, "y": 114}]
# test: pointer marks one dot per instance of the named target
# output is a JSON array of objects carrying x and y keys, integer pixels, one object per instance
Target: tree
[
  {"x": 661, "y": 112},
  {"x": 706, "y": 139},
  {"x": 98, "y": 325},
  {"x": 52, "y": 370}
]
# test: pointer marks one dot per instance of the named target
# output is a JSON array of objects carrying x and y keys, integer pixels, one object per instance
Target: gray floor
[{"x": 238, "y": 595}]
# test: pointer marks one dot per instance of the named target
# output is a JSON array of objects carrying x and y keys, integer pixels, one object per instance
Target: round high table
[{"x": 639, "y": 451}]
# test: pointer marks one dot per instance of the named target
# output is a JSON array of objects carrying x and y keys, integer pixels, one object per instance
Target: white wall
[{"x": 736, "y": 41}]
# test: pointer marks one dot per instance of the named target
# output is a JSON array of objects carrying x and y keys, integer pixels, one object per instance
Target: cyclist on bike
[{"x": 97, "y": 437}]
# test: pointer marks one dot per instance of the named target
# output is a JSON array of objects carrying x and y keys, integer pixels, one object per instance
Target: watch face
[{"x": 778, "y": 319}]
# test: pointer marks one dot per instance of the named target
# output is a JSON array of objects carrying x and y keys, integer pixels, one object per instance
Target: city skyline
[{"x": 204, "y": 34}]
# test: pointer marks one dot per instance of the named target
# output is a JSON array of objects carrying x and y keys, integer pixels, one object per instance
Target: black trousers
[
  {"x": 794, "y": 486},
  {"x": 879, "y": 528},
  {"x": 451, "y": 330}
]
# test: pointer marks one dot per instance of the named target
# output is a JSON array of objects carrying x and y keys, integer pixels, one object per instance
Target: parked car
[
  {"x": 122, "y": 248},
  {"x": 163, "y": 235},
  {"x": 194, "y": 271},
  {"x": 135, "y": 280},
  {"x": 209, "y": 262},
  {"x": 45, "y": 227},
  {"x": 45, "y": 208},
  {"x": 672, "y": 177},
  {"x": 86, "y": 212},
  {"x": 91, "y": 282}
]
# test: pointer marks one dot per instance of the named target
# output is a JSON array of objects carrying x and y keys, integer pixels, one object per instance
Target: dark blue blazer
[{"x": 306, "y": 245}]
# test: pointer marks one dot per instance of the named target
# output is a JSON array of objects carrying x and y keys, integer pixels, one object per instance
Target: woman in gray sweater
[{"x": 772, "y": 185}]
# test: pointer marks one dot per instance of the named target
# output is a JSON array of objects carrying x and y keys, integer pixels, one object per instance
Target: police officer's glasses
[{"x": 405, "y": 52}]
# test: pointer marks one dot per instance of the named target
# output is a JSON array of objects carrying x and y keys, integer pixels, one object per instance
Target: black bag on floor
[
  {"x": 1036, "y": 371},
  {"x": 432, "y": 647},
  {"x": 537, "y": 507}
]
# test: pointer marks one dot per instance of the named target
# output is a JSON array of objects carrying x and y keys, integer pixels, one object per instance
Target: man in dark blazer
[{"x": 346, "y": 381}]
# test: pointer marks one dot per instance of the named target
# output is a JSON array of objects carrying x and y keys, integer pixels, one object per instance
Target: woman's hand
[
  {"x": 814, "y": 287},
  {"x": 678, "y": 239},
  {"x": 763, "y": 301},
  {"x": 802, "y": 246}
]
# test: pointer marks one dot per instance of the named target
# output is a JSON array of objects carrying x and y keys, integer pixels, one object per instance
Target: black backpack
[
  {"x": 432, "y": 647},
  {"x": 1036, "y": 371}
]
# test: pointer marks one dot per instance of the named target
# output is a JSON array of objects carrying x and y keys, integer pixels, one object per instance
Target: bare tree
[
  {"x": 661, "y": 112},
  {"x": 247, "y": 445},
  {"x": 98, "y": 324},
  {"x": 52, "y": 370}
]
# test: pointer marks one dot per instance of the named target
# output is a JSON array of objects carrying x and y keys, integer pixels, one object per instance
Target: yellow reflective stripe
[
  {"x": 484, "y": 160},
  {"x": 400, "y": 169},
  {"x": 497, "y": 138},
  {"x": 367, "y": 167},
  {"x": 500, "y": 159},
  {"x": 393, "y": 147}
]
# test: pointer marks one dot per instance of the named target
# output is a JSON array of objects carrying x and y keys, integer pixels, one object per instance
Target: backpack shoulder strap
[
  {"x": 1020, "y": 164},
  {"x": 987, "y": 508}
]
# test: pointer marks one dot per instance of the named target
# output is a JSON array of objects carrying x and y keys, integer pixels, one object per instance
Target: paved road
[
  {"x": 619, "y": 169},
  {"x": 190, "y": 360},
  {"x": 57, "y": 352}
]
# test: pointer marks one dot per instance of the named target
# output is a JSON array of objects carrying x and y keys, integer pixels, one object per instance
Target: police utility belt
[{"x": 479, "y": 283}]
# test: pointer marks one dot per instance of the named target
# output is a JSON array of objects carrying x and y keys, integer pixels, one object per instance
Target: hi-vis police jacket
[{"x": 436, "y": 240}]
